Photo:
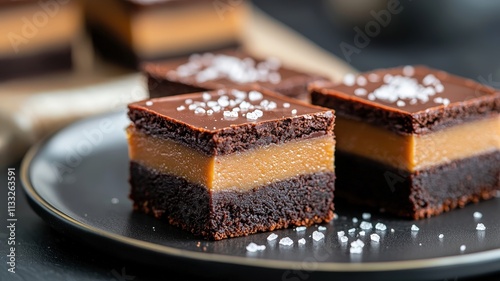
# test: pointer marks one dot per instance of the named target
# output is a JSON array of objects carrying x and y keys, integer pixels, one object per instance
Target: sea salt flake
[
  {"x": 255, "y": 96},
  {"x": 480, "y": 226},
  {"x": 356, "y": 250},
  {"x": 462, "y": 248},
  {"x": 400, "y": 103},
  {"x": 375, "y": 237},
  {"x": 380, "y": 226},
  {"x": 321, "y": 228},
  {"x": 357, "y": 243},
  {"x": 344, "y": 239},
  {"x": 272, "y": 237},
  {"x": 301, "y": 241},
  {"x": 352, "y": 230},
  {"x": 286, "y": 105},
  {"x": 362, "y": 233},
  {"x": 252, "y": 247},
  {"x": 366, "y": 225},
  {"x": 206, "y": 96},
  {"x": 286, "y": 241},
  {"x": 408, "y": 70},
  {"x": 361, "y": 81},
  {"x": 300, "y": 228},
  {"x": 294, "y": 111},
  {"x": 441, "y": 236},
  {"x": 349, "y": 79},
  {"x": 181, "y": 108},
  {"x": 316, "y": 235},
  {"x": 149, "y": 103},
  {"x": 366, "y": 216},
  {"x": 188, "y": 101},
  {"x": 199, "y": 111},
  {"x": 477, "y": 215},
  {"x": 340, "y": 233},
  {"x": 115, "y": 201},
  {"x": 414, "y": 228},
  {"x": 355, "y": 220}
]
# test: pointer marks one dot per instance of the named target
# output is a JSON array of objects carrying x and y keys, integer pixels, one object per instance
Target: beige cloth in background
[{"x": 31, "y": 109}]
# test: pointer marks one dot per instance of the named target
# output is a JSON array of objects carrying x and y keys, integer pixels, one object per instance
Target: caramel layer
[
  {"x": 181, "y": 28},
  {"x": 29, "y": 28},
  {"x": 237, "y": 171},
  {"x": 416, "y": 152}
]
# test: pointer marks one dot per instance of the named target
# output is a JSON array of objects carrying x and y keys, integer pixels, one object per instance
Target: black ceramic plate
[{"x": 77, "y": 181}]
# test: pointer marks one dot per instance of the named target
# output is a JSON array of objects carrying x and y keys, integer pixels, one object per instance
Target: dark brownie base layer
[
  {"x": 49, "y": 61},
  {"x": 303, "y": 200},
  {"x": 420, "y": 194}
]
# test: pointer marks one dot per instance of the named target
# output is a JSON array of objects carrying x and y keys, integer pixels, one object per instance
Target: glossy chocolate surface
[
  {"x": 231, "y": 67},
  {"x": 411, "y": 99},
  {"x": 221, "y": 109}
]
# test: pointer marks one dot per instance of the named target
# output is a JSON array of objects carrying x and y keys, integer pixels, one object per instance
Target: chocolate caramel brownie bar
[
  {"x": 129, "y": 32},
  {"x": 37, "y": 37},
  {"x": 225, "y": 68},
  {"x": 230, "y": 163},
  {"x": 413, "y": 140}
]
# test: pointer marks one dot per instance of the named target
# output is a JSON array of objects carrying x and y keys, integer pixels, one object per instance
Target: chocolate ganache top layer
[{"x": 409, "y": 99}]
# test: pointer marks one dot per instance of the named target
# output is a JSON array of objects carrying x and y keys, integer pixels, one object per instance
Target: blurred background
[{"x": 64, "y": 60}]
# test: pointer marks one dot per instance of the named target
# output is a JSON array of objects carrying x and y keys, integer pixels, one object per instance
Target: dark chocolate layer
[
  {"x": 45, "y": 62},
  {"x": 164, "y": 80},
  {"x": 216, "y": 135},
  {"x": 303, "y": 200},
  {"x": 468, "y": 101},
  {"x": 420, "y": 194}
]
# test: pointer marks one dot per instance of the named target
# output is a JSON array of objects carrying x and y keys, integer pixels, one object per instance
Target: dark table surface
[{"x": 44, "y": 254}]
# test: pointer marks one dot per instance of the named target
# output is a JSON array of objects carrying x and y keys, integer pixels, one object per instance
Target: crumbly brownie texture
[
  {"x": 231, "y": 135},
  {"x": 232, "y": 67},
  {"x": 303, "y": 200},
  {"x": 420, "y": 194},
  {"x": 408, "y": 100}
]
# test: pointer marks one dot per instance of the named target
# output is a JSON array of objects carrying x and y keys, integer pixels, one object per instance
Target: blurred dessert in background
[
  {"x": 132, "y": 31},
  {"x": 232, "y": 67},
  {"x": 37, "y": 37}
]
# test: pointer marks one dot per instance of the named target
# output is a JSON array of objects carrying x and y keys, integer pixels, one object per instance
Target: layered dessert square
[
  {"x": 37, "y": 37},
  {"x": 225, "y": 68},
  {"x": 230, "y": 163},
  {"x": 413, "y": 141},
  {"x": 129, "y": 32}
]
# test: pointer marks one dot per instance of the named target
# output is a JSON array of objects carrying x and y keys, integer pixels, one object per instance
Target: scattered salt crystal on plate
[
  {"x": 480, "y": 226},
  {"x": 362, "y": 233},
  {"x": 352, "y": 230},
  {"x": 344, "y": 239},
  {"x": 302, "y": 241},
  {"x": 252, "y": 247},
  {"x": 366, "y": 216},
  {"x": 414, "y": 228},
  {"x": 366, "y": 225},
  {"x": 340, "y": 233},
  {"x": 462, "y": 248},
  {"x": 272, "y": 237},
  {"x": 354, "y": 220},
  {"x": 300, "y": 228},
  {"x": 356, "y": 250},
  {"x": 477, "y": 215},
  {"x": 392, "y": 230},
  {"x": 380, "y": 226},
  {"x": 375, "y": 237},
  {"x": 357, "y": 243},
  {"x": 321, "y": 228},
  {"x": 115, "y": 201},
  {"x": 286, "y": 241},
  {"x": 441, "y": 236},
  {"x": 317, "y": 235}
]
